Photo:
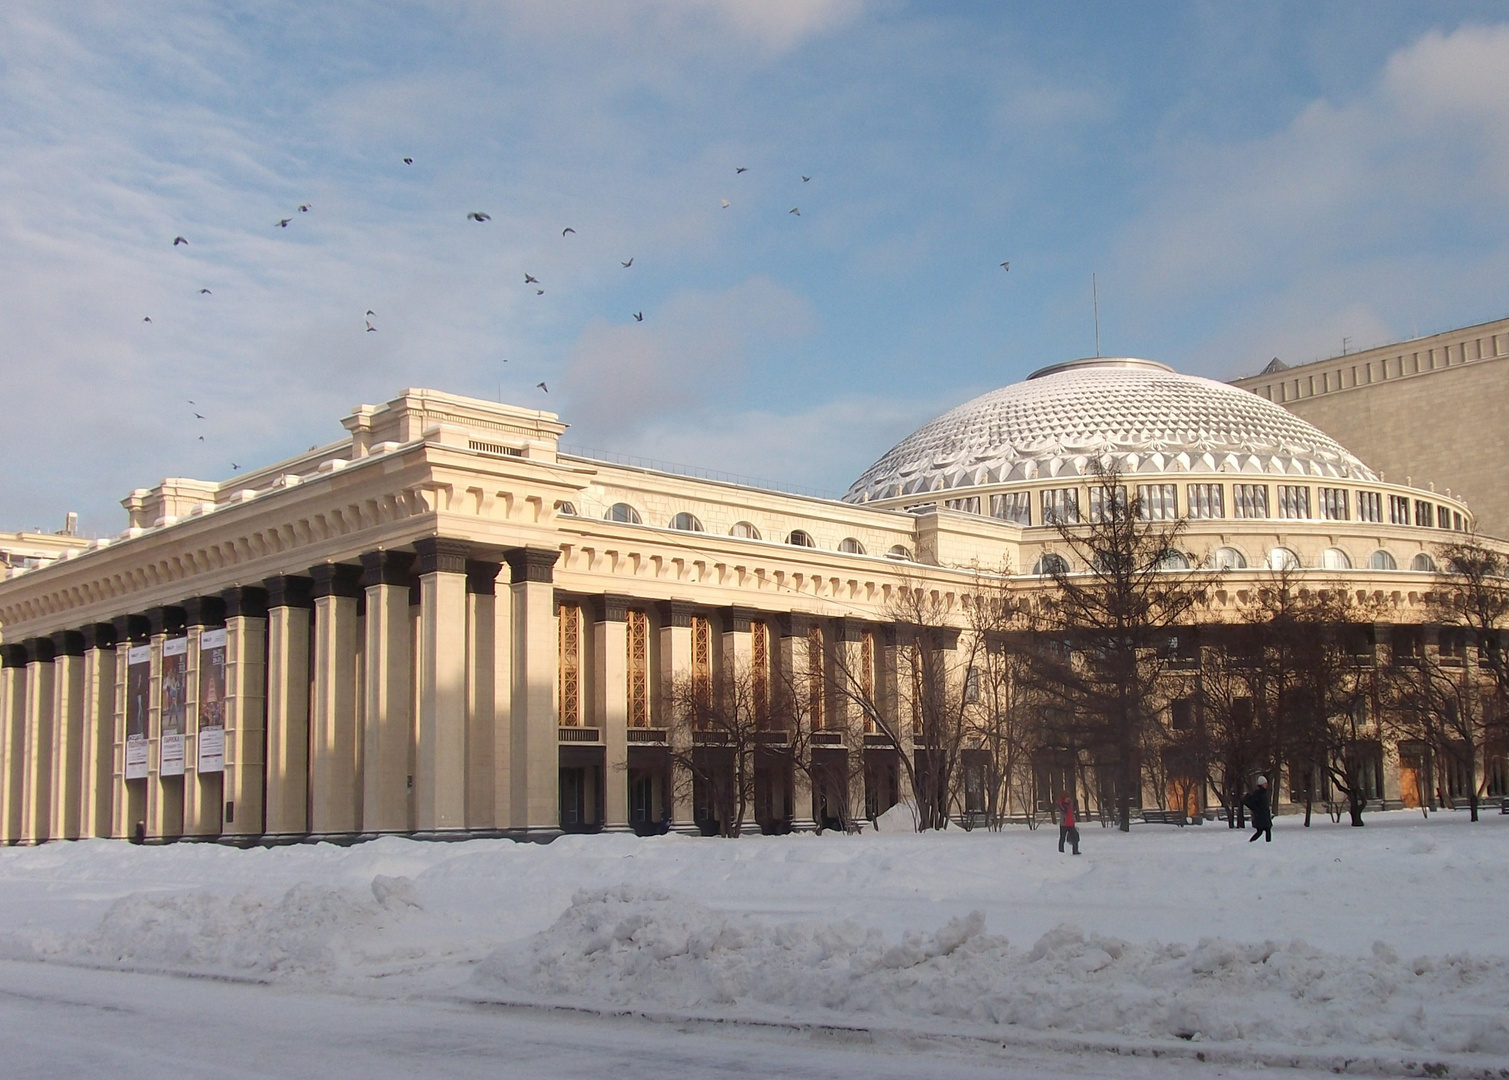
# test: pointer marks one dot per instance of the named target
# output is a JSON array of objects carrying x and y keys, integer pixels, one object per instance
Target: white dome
[{"x": 1142, "y": 415}]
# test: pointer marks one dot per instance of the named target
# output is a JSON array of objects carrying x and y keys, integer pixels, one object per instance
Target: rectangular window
[
  {"x": 702, "y": 660},
  {"x": 1333, "y": 504},
  {"x": 1014, "y": 506},
  {"x": 867, "y": 674},
  {"x": 1425, "y": 514},
  {"x": 1206, "y": 501},
  {"x": 1061, "y": 506},
  {"x": 969, "y": 505},
  {"x": 1293, "y": 501},
  {"x": 1182, "y": 714},
  {"x": 1157, "y": 502},
  {"x": 1443, "y": 517},
  {"x": 569, "y": 679},
  {"x": 815, "y": 675},
  {"x": 1369, "y": 506},
  {"x": 638, "y": 673},
  {"x": 1104, "y": 503},
  {"x": 1398, "y": 509},
  {"x": 1249, "y": 500},
  {"x": 1011, "y": 507},
  {"x": 759, "y": 670},
  {"x": 1456, "y": 521}
]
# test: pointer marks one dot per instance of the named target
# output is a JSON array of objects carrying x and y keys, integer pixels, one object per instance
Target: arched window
[
  {"x": 1050, "y": 564},
  {"x": 851, "y": 546},
  {"x": 744, "y": 531},
  {"x": 566, "y": 509},
  {"x": 623, "y": 512},
  {"x": 1335, "y": 559},
  {"x": 798, "y": 538},
  {"x": 1174, "y": 560},
  {"x": 900, "y": 551},
  {"x": 1228, "y": 558},
  {"x": 1423, "y": 563},
  {"x": 686, "y": 522},
  {"x": 1382, "y": 560},
  {"x": 1281, "y": 558}
]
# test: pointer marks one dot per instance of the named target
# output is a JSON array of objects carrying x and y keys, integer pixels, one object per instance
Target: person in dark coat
[
  {"x": 1067, "y": 828},
  {"x": 1262, "y": 814}
]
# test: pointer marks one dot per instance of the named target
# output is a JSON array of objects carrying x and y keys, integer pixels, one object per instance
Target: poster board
[
  {"x": 211, "y": 741},
  {"x": 138, "y": 693},
  {"x": 174, "y": 705}
]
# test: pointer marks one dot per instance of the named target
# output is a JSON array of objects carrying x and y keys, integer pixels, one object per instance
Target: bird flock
[{"x": 481, "y": 217}]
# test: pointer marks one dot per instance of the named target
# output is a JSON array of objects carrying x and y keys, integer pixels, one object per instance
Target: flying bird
[
  {"x": 198, "y": 416},
  {"x": 201, "y": 438},
  {"x": 205, "y": 292},
  {"x": 567, "y": 229},
  {"x": 371, "y": 329},
  {"x": 408, "y": 161},
  {"x": 477, "y": 215},
  {"x": 724, "y": 202},
  {"x": 639, "y": 316},
  {"x": 629, "y": 263},
  {"x": 371, "y": 314},
  {"x": 539, "y": 292},
  {"x": 543, "y": 387},
  {"x": 795, "y": 211},
  {"x": 805, "y": 179},
  {"x": 179, "y": 240},
  {"x": 530, "y": 279},
  {"x": 146, "y": 318},
  {"x": 283, "y": 222},
  {"x": 235, "y": 467},
  {"x": 1005, "y": 266},
  {"x": 304, "y": 208},
  {"x": 740, "y": 169}
]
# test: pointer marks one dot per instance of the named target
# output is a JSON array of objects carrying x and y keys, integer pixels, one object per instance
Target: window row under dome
[
  {"x": 1212, "y": 501},
  {"x": 685, "y": 521},
  {"x": 1276, "y": 558}
]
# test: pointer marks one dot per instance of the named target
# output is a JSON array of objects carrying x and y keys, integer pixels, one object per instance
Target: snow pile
[
  {"x": 308, "y": 930},
  {"x": 631, "y": 947}
]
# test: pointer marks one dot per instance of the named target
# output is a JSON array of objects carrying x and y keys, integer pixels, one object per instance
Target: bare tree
[
  {"x": 1433, "y": 702},
  {"x": 1123, "y": 591},
  {"x": 723, "y": 725}
]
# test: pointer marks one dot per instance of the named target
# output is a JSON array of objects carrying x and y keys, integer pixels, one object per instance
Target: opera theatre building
[{"x": 443, "y": 624}]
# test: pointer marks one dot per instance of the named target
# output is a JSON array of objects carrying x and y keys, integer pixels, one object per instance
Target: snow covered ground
[{"x": 1377, "y": 950}]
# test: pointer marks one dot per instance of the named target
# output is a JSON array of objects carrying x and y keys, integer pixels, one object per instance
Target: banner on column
[
  {"x": 212, "y": 701},
  {"x": 138, "y": 691},
  {"x": 175, "y": 685}
]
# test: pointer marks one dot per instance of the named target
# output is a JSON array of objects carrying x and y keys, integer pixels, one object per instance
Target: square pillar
[
  {"x": 95, "y": 771},
  {"x": 440, "y": 728},
  {"x": 794, "y": 679},
  {"x": 12, "y": 739},
  {"x": 845, "y": 715},
  {"x": 482, "y": 730},
  {"x": 387, "y": 765},
  {"x": 67, "y": 734},
  {"x": 36, "y": 750},
  {"x": 245, "y": 711},
  {"x": 204, "y": 748},
  {"x": 534, "y": 747},
  {"x": 289, "y": 603},
  {"x": 675, "y": 665},
  {"x": 610, "y": 705},
  {"x": 335, "y": 795}
]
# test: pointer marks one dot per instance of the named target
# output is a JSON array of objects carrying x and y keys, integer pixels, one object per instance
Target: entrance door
[{"x": 573, "y": 798}]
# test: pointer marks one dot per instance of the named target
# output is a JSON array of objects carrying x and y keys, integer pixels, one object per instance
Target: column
[
  {"x": 36, "y": 750},
  {"x": 164, "y": 773},
  {"x": 794, "y": 680},
  {"x": 12, "y": 738},
  {"x": 289, "y": 603},
  {"x": 846, "y": 715},
  {"x": 440, "y": 728},
  {"x": 386, "y": 740},
  {"x": 676, "y": 665},
  {"x": 335, "y": 796},
  {"x": 482, "y": 730},
  {"x": 736, "y": 677},
  {"x": 67, "y": 734},
  {"x": 203, "y": 801},
  {"x": 245, "y": 711},
  {"x": 610, "y": 705},
  {"x": 95, "y": 771},
  {"x": 534, "y": 752}
]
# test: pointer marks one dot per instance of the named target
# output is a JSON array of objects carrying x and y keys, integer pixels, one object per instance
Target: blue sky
[{"x": 1245, "y": 181}]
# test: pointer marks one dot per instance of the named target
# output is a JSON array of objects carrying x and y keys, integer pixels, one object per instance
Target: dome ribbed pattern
[{"x": 1144, "y": 416}]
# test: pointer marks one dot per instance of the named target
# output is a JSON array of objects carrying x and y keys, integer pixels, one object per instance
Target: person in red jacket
[{"x": 1067, "y": 829}]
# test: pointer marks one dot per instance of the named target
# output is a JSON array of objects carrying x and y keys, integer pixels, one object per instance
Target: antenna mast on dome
[{"x": 1095, "y": 302}]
